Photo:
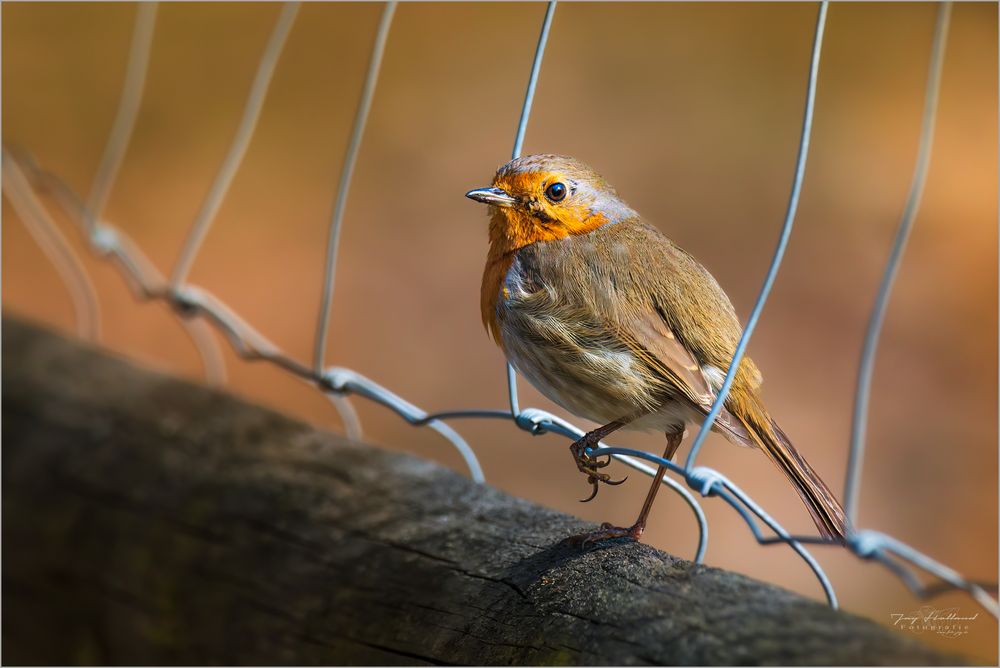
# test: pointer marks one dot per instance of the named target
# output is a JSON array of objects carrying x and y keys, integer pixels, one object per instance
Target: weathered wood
[{"x": 149, "y": 520}]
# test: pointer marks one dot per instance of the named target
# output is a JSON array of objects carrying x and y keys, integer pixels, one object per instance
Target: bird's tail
[{"x": 826, "y": 511}]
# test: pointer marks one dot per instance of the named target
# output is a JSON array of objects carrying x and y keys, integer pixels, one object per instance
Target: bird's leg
[
  {"x": 590, "y": 464},
  {"x": 609, "y": 530}
]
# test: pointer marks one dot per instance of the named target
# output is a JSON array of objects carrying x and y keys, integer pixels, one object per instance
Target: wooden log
[{"x": 151, "y": 520}]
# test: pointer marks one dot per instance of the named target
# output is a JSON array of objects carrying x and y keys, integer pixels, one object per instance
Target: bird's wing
[{"x": 649, "y": 338}]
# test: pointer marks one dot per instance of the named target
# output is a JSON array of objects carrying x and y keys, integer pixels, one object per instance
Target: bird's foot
[
  {"x": 590, "y": 466},
  {"x": 607, "y": 531}
]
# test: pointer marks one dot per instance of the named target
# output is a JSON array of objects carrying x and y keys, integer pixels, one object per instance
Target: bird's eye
[{"x": 556, "y": 192}]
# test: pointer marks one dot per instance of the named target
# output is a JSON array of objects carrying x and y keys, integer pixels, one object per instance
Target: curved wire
[
  {"x": 190, "y": 302},
  {"x": 208, "y": 349},
  {"x": 817, "y": 570},
  {"x": 538, "y": 421},
  {"x": 522, "y": 127},
  {"x": 45, "y": 232},
  {"x": 866, "y": 368},
  {"x": 147, "y": 282},
  {"x": 779, "y": 251},
  {"x": 114, "y": 154},
  {"x": 867, "y": 544},
  {"x": 710, "y": 482},
  {"x": 347, "y": 380},
  {"x": 512, "y": 401},
  {"x": 128, "y": 112},
  {"x": 349, "y": 417},
  {"x": 707, "y": 481},
  {"x": 238, "y": 147},
  {"x": 465, "y": 414},
  {"x": 346, "y": 172},
  {"x": 536, "y": 67}
]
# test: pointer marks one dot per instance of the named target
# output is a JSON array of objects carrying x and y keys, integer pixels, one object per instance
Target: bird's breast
[{"x": 563, "y": 347}]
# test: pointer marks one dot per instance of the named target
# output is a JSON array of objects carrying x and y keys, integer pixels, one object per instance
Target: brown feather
[
  {"x": 607, "y": 316},
  {"x": 650, "y": 339},
  {"x": 826, "y": 511}
]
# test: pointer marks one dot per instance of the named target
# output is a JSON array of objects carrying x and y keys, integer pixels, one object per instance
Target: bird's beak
[{"x": 494, "y": 196}]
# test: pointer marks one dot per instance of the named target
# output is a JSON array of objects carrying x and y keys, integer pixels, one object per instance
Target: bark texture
[{"x": 150, "y": 520}]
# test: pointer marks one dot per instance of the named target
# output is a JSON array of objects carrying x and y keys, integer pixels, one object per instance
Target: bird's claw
[
  {"x": 596, "y": 462},
  {"x": 596, "y": 479},
  {"x": 590, "y": 464},
  {"x": 592, "y": 481}
]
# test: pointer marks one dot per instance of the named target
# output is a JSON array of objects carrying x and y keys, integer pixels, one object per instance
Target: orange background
[{"x": 692, "y": 111}]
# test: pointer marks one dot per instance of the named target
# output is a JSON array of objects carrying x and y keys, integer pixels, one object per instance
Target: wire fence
[{"x": 201, "y": 313}]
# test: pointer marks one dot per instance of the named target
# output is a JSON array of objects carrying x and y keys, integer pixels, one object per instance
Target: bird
[{"x": 612, "y": 321}]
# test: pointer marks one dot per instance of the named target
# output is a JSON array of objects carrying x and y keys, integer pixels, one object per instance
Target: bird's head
[{"x": 547, "y": 197}]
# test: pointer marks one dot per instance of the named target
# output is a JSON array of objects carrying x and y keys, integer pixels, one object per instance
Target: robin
[{"x": 612, "y": 321}]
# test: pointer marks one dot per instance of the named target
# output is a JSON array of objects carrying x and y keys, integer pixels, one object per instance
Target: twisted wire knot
[
  {"x": 703, "y": 479},
  {"x": 865, "y": 543},
  {"x": 532, "y": 420},
  {"x": 104, "y": 239},
  {"x": 185, "y": 300},
  {"x": 335, "y": 379}
]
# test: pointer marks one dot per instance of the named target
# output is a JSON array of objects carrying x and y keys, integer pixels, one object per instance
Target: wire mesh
[
  {"x": 862, "y": 395},
  {"x": 203, "y": 314}
]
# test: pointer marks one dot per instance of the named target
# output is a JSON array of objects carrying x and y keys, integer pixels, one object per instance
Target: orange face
[{"x": 547, "y": 197}]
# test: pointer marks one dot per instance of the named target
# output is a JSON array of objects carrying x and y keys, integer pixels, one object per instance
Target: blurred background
[{"x": 692, "y": 111}]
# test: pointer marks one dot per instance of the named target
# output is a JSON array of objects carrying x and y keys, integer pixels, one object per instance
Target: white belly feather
[{"x": 583, "y": 375}]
